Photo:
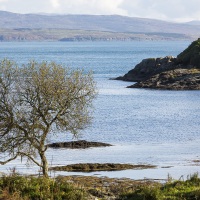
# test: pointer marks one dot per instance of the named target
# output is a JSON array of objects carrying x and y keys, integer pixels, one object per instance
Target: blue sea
[{"x": 144, "y": 126}]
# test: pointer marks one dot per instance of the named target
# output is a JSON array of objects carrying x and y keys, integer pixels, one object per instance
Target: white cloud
[
  {"x": 91, "y": 7},
  {"x": 55, "y": 3},
  {"x": 64, "y": 6},
  {"x": 181, "y": 10}
]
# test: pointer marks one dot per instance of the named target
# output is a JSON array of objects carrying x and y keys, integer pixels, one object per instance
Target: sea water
[{"x": 144, "y": 126}]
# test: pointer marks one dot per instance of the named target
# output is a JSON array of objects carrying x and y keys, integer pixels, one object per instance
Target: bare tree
[{"x": 36, "y": 100}]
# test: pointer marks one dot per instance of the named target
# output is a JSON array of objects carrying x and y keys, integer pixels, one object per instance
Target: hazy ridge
[{"x": 15, "y": 26}]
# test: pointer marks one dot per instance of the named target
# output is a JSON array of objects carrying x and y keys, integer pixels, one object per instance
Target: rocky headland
[{"x": 180, "y": 73}]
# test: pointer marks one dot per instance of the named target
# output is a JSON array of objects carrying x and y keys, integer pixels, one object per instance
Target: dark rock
[
  {"x": 179, "y": 79},
  {"x": 80, "y": 144},
  {"x": 149, "y": 67}
]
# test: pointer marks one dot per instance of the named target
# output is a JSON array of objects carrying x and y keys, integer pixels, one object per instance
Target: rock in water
[
  {"x": 91, "y": 167},
  {"x": 149, "y": 67},
  {"x": 178, "y": 79},
  {"x": 181, "y": 73},
  {"x": 80, "y": 144}
]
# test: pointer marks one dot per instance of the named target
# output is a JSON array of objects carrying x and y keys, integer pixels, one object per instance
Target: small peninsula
[{"x": 169, "y": 73}]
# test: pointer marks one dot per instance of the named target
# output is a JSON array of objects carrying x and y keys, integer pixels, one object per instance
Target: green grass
[
  {"x": 15, "y": 187},
  {"x": 177, "y": 190}
]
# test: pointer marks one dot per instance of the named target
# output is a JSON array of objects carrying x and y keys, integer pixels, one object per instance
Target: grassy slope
[{"x": 191, "y": 55}]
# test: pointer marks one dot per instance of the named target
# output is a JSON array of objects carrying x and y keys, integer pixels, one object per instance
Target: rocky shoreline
[
  {"x": 169, "y": 73},
  {"x": 178, "y": 79},
  {"x": 108, "y": 188}
]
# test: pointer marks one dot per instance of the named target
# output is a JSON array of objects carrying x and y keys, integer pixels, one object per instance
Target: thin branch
[
  {"x": 31, "y": 158},
  {"x": 4, "y": 162}
]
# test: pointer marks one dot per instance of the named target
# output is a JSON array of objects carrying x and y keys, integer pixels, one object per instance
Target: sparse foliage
[{"x": 37, "y": 99}]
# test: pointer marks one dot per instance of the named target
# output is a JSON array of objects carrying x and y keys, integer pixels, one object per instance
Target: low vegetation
[
  {"x": 15, "y": 187},
  {"x": 191, "y": 55},
  {"x": 176, "y": 190}
]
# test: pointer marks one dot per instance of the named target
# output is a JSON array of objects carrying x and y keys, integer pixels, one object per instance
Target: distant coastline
[
  {"x": 37, "y": 27},
  {"x": 65, "y": 35}
]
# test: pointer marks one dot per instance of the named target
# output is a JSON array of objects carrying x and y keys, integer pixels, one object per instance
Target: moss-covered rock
[{"x": 90, "y": 167}]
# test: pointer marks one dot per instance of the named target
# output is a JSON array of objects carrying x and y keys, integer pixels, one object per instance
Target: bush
[
  {"x": 177, "y": 190},
  {"x": 15, "y": 187}
]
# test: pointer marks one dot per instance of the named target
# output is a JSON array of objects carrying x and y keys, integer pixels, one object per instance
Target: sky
[{"x": 169, "y": 10}]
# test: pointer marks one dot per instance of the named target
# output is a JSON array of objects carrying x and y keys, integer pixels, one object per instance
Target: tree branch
[
  {"x": 4, "y": 162},
  {"x": 29, "y": 157}
]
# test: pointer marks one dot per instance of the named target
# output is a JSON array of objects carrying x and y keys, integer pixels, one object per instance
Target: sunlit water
[{"x": 145, "y": 126}]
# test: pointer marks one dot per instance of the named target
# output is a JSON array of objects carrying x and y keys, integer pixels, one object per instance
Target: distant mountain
[
  {"x": 113, "y": 23},
  {"x": 194, "y": 23},
  {"x": 15, "y": 26}
]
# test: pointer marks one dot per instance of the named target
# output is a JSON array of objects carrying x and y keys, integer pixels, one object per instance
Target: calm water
[{"x": 145, "y": 126}]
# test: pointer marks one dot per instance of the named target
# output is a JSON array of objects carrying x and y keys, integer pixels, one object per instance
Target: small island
[
  {"x": 94, "y": 167},
  {"x": 169, "y": 73},
  {"x": 80, "y": 144}
]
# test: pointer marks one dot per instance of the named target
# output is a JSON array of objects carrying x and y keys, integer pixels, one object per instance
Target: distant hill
[
  {"x": 194, "y": 23},
  {"x": 112, "y": 24}
]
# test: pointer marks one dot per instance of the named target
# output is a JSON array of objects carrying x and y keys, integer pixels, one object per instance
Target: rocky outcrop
[
  {"x": 80, "y": 144},
  {"x": 178, "y": 79},
  {"x": 191, "y": 55},
  {"x": 181, "y": 73},
  {"x": 149, "y": 67},
  {"x": 91, "y": 167}
]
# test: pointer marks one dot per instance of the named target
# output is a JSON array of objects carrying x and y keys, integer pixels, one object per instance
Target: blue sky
[{"x": 170, "y": 10}]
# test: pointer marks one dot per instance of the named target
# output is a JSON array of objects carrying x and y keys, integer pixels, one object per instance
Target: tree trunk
[{"x": 44, "y": 164}]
